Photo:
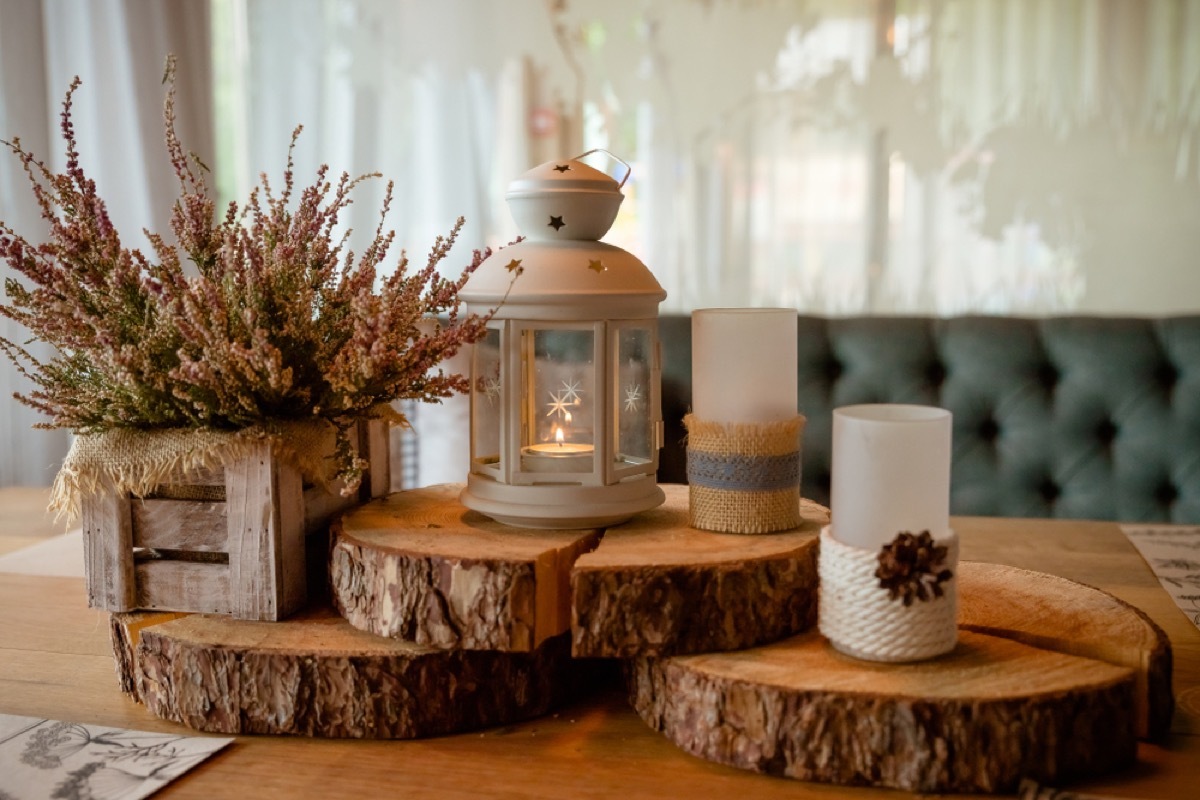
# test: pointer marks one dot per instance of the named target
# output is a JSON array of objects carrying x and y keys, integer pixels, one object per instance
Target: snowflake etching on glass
[
  {"x": 491, "y": 389},
  {"x": 571, "y": 392},
  {"x": 558, "y": 405},
  {"x": 633, "y": 397}
]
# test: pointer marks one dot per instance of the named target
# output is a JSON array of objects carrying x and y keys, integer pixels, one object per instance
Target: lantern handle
[{"x": 628, "y": 169}]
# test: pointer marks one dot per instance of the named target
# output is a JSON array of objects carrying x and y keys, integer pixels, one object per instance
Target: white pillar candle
[
  {"x": 891, "y": 473},
  {"x": 744, "y": 364}
]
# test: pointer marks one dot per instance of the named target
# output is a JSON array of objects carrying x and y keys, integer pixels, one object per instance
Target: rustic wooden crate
[{"x": 239, "y": 549}]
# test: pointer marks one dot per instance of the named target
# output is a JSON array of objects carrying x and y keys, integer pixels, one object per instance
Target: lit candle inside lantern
[
  {"x": 890, "y": 473},
  {"x": 744, "y": 365},
  {"x": 557, "y": 456}
]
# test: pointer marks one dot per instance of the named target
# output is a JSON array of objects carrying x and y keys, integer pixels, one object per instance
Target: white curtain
[
  {"x": 118, "y": 48},
  {"x": 434, "y": 96},
  {"x": 840, "y": 156},
  {"x": 837, "y": 156}
]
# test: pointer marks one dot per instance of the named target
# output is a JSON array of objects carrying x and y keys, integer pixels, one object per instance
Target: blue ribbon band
[{"x": 739, "y": 473}]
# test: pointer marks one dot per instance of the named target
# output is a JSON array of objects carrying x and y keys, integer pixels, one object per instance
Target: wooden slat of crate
[
  {"x": 108, "y": 549},
  {"x": 190, "y": 525},
  {"x": 290, "y": 534},
  {"x": 265, "y": 514},
  {"x": 374, "y": 440},
  {"x": 214, "y": 476},
  {"x": 261, "y": 525},
  {"x": 320, "y": 505},
  {"x": 174, "y": 585}
]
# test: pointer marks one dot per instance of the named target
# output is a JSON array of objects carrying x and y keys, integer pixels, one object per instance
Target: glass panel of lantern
[
  {"x": 636, "y": 401},
  {"x": 487, "y": 404},
  {"x": 559, "y": 423}
]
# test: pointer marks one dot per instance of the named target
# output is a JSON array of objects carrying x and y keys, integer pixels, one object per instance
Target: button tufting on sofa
[
  {"x": 1106, "y": 432},
  {"x": 1105, "y": 410}
]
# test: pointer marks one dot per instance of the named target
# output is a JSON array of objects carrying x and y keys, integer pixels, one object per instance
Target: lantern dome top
[
  {"x": 569, "y": 175},
  {"x": 567, "y": 280},
  {"x": 560, "y": 270},
  {"x": 564, "y": 200}
]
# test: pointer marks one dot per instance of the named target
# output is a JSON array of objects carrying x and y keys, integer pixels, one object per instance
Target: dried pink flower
[{"x": 278, "y": 320}]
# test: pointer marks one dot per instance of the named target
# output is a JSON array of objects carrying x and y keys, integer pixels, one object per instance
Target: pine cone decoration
[{"x": 909, "y": 567}]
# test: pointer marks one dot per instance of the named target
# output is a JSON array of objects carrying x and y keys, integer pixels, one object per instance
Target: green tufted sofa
[{"x": 1080, "y": 417}]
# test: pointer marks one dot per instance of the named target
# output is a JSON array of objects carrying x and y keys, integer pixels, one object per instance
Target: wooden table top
[{"x": 55, "y": 661}]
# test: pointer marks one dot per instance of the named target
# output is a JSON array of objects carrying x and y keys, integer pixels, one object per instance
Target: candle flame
[{"x": 558, "y": 435}]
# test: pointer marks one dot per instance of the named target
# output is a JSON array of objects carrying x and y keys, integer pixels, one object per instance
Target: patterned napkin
[
  {"x": 43, "y": 758},
  {"x": 1173, "y": 553}
]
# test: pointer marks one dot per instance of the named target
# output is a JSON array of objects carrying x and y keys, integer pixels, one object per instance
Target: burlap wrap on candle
[
  {"x": 860, "y": 619},
  {"x": 143, "y": 461},
  {"x": 743, "y": 478}
]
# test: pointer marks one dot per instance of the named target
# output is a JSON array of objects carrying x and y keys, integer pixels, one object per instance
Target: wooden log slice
[
  {"x": 418, "y": 566},
  {"x": 125, "y": 631},
  {"x": 656, "y": 586},
  {"x": 1067, "y": 617},
  {"x": 315, "y": 675},
  {"x": 979, "y": 719}
]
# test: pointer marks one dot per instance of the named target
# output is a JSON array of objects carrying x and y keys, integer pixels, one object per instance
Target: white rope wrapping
[{"x": 860, "y": 620}]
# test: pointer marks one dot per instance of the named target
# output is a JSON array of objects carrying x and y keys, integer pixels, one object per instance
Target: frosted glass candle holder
[
  {"x": 888, "y": 557},
  {"x": 890, "y": 472},
  {"x": 744, "y": 364},
  {"x": 744, "y": 434}
]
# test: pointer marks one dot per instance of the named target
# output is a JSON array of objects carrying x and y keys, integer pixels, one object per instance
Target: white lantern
[{"x": 566, "y": 422}]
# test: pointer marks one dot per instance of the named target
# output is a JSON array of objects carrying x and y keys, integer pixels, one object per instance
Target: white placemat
[
  {"x": 1173, "y": 553},
  {"x": 41, "y": 758},
  {"x": 57, "y": 556}
]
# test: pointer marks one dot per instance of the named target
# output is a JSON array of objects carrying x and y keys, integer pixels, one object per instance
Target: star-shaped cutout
[
  {"x": 562, "y": 167},
  {"x": 596, "y": 265},
  {"x": 557, "y": 222},
  {"x": 514, "y": 266}
]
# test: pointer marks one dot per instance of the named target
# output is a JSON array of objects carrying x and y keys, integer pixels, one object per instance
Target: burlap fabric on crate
[
  {"x": 744, "y": 478},
  {"x": 138, "y": 461}
]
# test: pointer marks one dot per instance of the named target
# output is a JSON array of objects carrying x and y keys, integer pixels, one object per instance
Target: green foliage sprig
[{"x": 274, "y": 319}]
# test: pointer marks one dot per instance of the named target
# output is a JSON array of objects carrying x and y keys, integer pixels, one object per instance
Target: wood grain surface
[
  {"x": 657, "y": 586},
  {"x": 1051, "y": 680},
  {"x": 417, "y": 565},
  {"x": 315, "y": 675},
  {"x": 1064, "y": 616},
  {"x": 978, "y": 719},
  {"x": 56, "y": 661}
]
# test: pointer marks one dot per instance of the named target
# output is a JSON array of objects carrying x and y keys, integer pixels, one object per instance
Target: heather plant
[{"x": 246, "y": 319}]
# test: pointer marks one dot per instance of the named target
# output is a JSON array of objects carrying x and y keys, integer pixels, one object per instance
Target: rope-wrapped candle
[
  {"x": 744, "y": 433},
  {"x": 888, "y": 557}
]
